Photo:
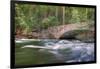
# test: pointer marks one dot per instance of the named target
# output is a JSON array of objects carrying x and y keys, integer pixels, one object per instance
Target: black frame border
[{"x": 12, "y": 37}]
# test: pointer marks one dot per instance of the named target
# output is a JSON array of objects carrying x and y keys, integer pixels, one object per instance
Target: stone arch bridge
[{"x": 57, "y": 32}]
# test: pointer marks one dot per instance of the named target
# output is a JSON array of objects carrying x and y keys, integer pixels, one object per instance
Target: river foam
[{"x": 78, "y": 51}]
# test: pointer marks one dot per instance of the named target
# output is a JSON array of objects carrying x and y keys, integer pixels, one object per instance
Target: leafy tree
[{"x": 32, "y": 17}]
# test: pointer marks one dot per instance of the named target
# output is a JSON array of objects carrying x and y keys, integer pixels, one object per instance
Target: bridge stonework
[{"x": 58, "y": 31}]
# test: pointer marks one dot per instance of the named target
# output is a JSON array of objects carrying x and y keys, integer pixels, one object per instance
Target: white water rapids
[{"x": 77, "y": 51}]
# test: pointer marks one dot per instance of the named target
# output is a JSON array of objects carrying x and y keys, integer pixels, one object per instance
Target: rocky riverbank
[{"x": 70, "y": 31}]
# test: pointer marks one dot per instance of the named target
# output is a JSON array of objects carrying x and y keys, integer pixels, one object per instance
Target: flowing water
[{"x": 47, "y": 51}]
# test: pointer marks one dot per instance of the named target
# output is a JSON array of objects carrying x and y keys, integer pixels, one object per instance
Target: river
[{"x": 52, "y": 51}]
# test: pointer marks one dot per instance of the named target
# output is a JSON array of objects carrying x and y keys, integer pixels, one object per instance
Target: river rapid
[{"x": 52, "y": 51}]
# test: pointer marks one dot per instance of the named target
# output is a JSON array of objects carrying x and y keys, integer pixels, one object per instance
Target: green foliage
[
  {"x": 50, "y": 21},
  {"x": 38, "y": 17}
]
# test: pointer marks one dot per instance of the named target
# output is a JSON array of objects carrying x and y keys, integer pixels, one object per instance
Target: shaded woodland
[{"x": 30, "y": 20}]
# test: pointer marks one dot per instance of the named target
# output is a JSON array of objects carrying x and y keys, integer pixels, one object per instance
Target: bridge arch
[
  {"x": 68, "y": 35},
  {"x": 66, "y": 31}
]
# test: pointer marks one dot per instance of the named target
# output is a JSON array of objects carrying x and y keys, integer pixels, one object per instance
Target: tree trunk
[{"x": 63, "y": 17}]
